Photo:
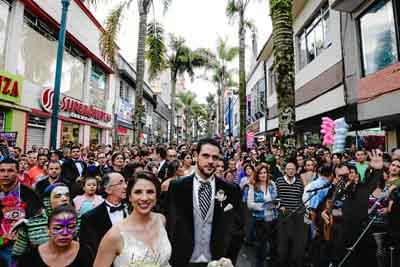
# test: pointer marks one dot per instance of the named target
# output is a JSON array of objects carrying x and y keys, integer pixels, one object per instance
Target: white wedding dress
[{"x": 136, "y": 253}]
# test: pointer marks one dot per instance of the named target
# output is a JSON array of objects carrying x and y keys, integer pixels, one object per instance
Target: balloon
[
  {"x": 327, "y": 130},
  {"x": 341, "y": 130}
]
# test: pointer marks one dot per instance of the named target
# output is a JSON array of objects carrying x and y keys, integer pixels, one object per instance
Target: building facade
[
  {"x": 346, "y": 62},
  {"x": 29, "y": 35}
]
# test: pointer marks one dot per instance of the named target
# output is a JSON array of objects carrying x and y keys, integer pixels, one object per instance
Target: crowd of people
[{"x": 188, "y": 205}]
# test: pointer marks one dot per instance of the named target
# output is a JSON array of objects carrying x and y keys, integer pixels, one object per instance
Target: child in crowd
[{"x": 89, "y": 200}]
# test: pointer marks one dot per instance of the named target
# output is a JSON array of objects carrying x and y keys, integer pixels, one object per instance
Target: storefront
[
  {"x": 124, "y": 129},
  {"x": 12, "y": 115},
  {"x": 80, "y": 123}
]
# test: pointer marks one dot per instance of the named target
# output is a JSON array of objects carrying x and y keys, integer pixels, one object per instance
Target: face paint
[
  {"x": 59, "y": 196},
  {"x": 64, "y": 227}
]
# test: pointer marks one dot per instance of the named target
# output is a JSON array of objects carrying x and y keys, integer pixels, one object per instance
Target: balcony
[{"x": 346, "y": 5}]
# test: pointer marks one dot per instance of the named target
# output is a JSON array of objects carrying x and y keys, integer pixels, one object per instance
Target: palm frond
[
  {"x": 108, "y": 40},
  {"x": 251, "y": 25},
  {"x": 232, "y": 9},
  {"x": 155, "y": 49},
  {"x": 96, "y": 3}
]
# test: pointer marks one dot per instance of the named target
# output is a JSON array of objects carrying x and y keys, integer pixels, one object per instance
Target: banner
[
  {"x": 11, "y": 137},
  {"x": 10, "y": 87}
]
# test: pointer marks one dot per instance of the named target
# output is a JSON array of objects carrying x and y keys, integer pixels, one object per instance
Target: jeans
[
  {"x": 5, "y": 256},
  {"x": 264, "y": 232}
]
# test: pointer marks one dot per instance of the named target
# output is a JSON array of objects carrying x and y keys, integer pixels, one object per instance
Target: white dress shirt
[
  {"x": 161, "y": 164},
  {"x": 116, "y": 216},
  {"x": 289, "y": 181},
  {"x": 79, "y": 167}
]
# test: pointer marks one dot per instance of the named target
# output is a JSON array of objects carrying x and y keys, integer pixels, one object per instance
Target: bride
[{"x": 141, "y": 238}]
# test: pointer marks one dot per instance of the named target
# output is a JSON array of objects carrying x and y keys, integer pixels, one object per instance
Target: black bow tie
[{"x": 114, "y": 209}]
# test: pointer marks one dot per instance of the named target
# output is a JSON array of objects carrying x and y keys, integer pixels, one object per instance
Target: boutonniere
[{"x": 220, "y": 196}]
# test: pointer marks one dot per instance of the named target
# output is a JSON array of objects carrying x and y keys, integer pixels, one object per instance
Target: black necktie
[{"x": 205, "y": 192}]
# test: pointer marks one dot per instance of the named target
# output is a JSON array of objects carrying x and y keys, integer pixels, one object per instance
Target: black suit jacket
[
  {"x": 163, "y": 171},
  {"x": 94, "y": 225},
  {"x": 69, "y": 171},
  {"x": 227, "y": 227}
]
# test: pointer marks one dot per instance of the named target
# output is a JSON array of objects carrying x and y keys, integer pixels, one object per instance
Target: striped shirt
[{"x": 290, "y": 194}]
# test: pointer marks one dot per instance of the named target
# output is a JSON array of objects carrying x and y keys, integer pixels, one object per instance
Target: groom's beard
[{"x": 204, "y": 173}]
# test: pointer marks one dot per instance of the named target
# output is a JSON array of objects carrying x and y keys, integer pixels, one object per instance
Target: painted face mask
[{"x": 64, "y": 227}]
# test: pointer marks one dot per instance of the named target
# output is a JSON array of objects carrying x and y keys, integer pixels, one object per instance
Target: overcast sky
[{"x": 200, "y": 22}]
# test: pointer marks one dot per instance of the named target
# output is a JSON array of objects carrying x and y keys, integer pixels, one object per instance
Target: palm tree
[
  {"x": 109, "y": 48},
  {"x": 210, "y": 109},
  {"x": 236, "y": 10},
  {"x": 283, "y": 66},
  {"x": 179, "y": 59},
  {"x": 199, "y": 114},
  {"x": 187, "y": 102},
  {"x": 223, "y": 76}
]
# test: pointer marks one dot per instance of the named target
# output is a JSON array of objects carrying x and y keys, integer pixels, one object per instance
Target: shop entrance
[
  {"x": 70, "y": 133},
  {"x": 95, "y": 135}
]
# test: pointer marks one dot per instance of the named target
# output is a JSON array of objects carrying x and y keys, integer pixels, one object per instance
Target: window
[
  {"x": 314, "y": 38},
  {"x": 378, "y": 37},
  {"x": 271, "y": 78},
  {"x": 261, "y": 95},
  {"x": 98, "y": 87},
  {"x": 5, "y": 10},
  {"x": 38, "y": 56},
  {"x": 121, "y": 89}
]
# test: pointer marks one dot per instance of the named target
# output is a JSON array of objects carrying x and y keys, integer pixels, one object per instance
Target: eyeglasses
[{"x": 117, "y": 184}]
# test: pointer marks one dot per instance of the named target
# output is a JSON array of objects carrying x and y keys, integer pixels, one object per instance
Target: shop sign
[
  {"x": 10, "y": 87},
  {"x": 122, "y": 130},
  {"x": 11, "y": 137},
  {"x": 125, "y": 111},
  {"x": 76, "y": 108}
]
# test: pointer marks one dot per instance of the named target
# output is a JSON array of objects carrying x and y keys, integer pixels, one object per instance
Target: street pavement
[{"x": 246, "y": 257}]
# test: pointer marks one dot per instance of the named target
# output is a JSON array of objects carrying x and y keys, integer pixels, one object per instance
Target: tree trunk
[
  {"x": 140, "y": 65},
  {"x": 283, "y": 65},
  {"x": 221, "y": 120},
  {"x": 242, "y": 83},
  {"x": 173, "y": 99}
]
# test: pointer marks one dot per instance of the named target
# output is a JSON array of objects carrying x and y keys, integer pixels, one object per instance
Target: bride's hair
[{"x": 145, "y": 175}]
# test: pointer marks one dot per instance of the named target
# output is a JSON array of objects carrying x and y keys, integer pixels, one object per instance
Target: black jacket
[
  {"x": 227, "y": 227},
  {"x": 94, "y": 225},
  {"x": 69, "y": 171},
  {"x": 163, "y": 171}
]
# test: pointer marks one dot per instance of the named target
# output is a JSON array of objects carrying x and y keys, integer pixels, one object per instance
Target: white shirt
[
  {"x": 116, "y": 216},
  {"x": 79, "y": 167},
  {"x": 289, "y": 181},
  {"x": 196, "y": 186},
  {"x": 161, "y": 164}
]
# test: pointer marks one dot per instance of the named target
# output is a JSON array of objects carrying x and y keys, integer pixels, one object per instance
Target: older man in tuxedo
[
  {"x": 96, "y": 222},
  {"x": 204, "y": 213}
]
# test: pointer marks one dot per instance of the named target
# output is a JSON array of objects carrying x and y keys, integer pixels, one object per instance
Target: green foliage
[
  {"x": 155, "y": 49},
  {"x": 108, "y": 44},
  {"x": 280, "y": 5}
]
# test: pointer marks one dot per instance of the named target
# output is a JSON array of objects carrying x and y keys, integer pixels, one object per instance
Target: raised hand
[{"x": 376, "y": 159}]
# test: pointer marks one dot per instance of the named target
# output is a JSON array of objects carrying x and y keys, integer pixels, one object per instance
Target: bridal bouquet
[{"x": 223, "y": 262}]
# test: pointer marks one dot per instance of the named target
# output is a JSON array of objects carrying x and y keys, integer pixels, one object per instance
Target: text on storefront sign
[
  {"x": 70, "y": 105},
  {"x": 10, "y": 87}
]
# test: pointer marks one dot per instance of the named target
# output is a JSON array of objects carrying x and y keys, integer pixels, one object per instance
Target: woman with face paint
[
  {"x": 60, "y": 250},
  {"x": 33, "y": 232},
  {"x": 141, "y": 238}
]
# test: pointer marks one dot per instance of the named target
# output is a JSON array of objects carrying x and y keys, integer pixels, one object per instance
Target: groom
[{"x": 204, "y": 213}]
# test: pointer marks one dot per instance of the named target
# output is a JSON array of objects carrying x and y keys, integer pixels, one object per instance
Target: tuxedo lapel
[
  {"x": 104, "y": 218},
  {"x": 188, "y": 202}
]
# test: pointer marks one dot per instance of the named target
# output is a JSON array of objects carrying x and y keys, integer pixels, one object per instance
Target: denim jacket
[{"x": 257, "y": 203}]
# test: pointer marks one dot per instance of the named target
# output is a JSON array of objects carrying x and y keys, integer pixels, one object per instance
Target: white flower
[
  {"x": 220, "y": 196},
  {"x": 223, "y": 262}
]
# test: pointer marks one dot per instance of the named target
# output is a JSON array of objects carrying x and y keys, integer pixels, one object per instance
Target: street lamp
[{"x": 57, "y": 83}]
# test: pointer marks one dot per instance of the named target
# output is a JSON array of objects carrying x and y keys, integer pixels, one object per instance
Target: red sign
[
  {"x": 122, "y": 130},
  {"x": 70, "y": 105}
]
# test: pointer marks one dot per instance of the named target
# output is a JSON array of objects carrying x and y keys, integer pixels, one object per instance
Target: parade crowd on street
[{"x": 192, "y": 204}]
